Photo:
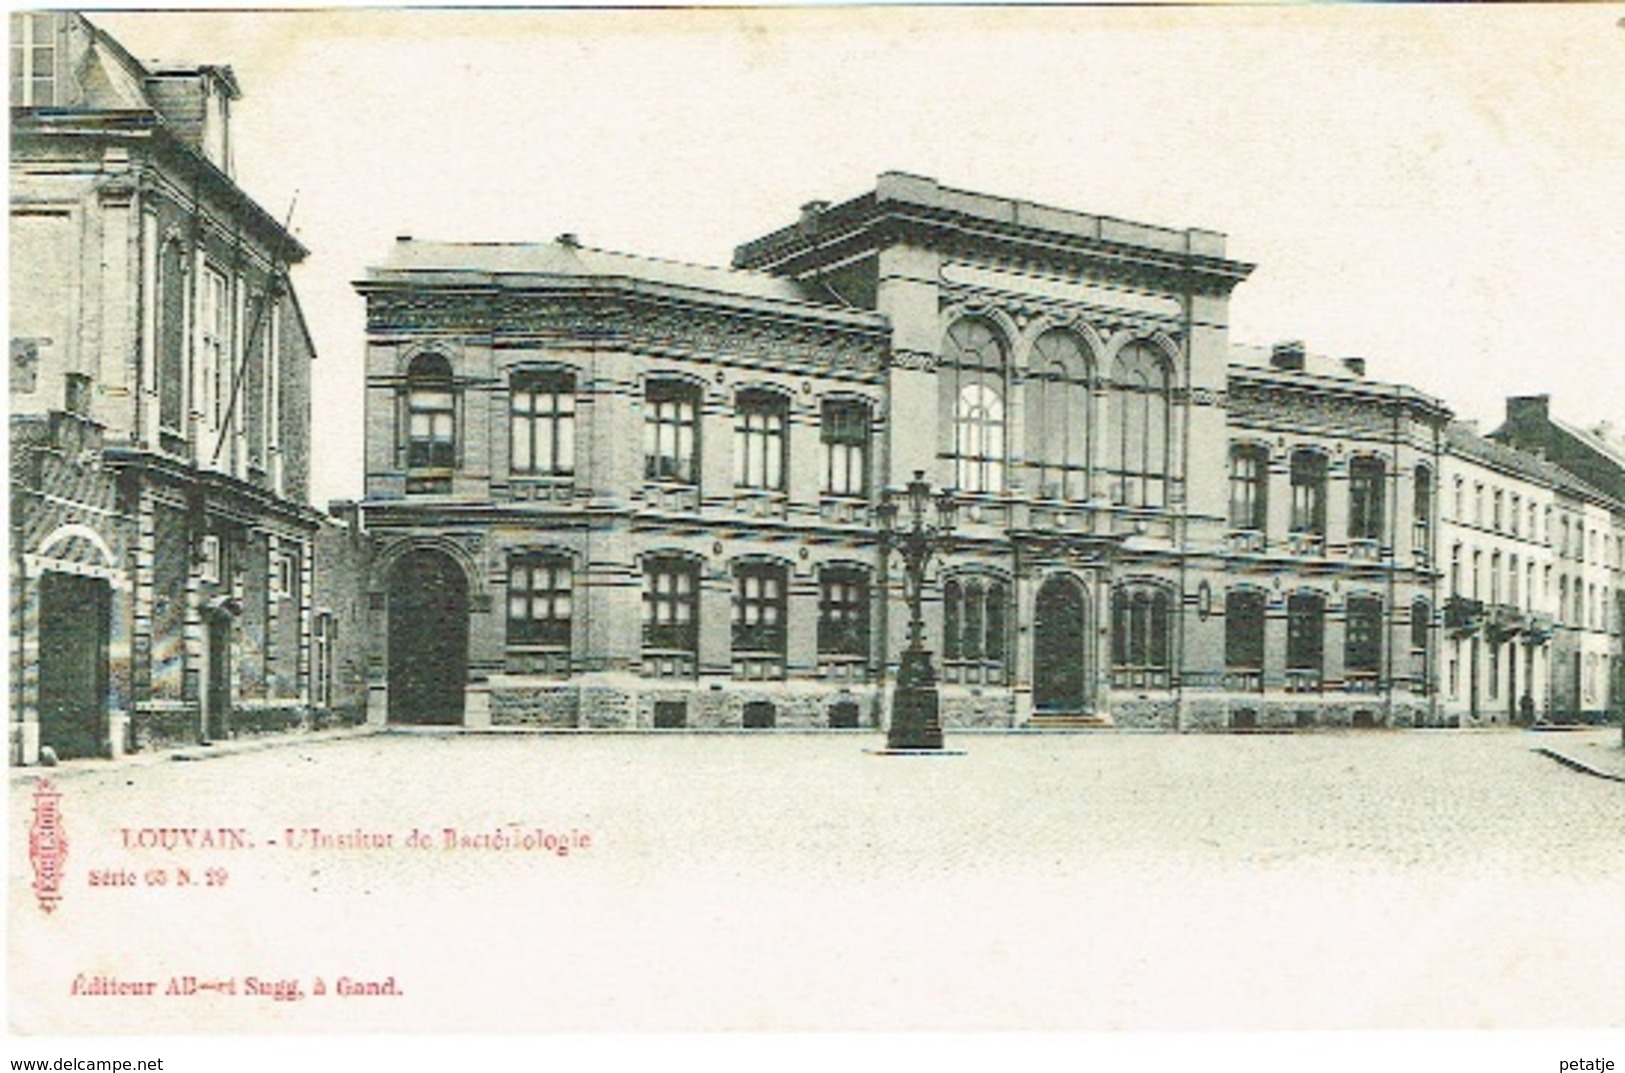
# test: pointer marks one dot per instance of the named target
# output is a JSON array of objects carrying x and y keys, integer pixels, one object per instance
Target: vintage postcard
[{"x": 930, "y": 519}]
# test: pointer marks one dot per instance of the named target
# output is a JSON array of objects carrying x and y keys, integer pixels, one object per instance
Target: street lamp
[{"x": 915, "y": 721}]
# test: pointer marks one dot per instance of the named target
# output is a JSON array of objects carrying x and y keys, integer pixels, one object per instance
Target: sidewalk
[
  {"x": 68, "y": 769},
  {"x": 1592, "y": 752}
]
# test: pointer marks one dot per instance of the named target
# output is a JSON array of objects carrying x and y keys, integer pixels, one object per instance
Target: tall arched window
[
  {"x": 1422, "y": 514},
  {"x": 972, "y": 380},
  {"x": 1057, "y": 395},
  {"x": 1137, "y": 427},
  {"x": 431, "y": 424}
]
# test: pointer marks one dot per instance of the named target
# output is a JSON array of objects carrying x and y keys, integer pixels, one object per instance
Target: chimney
[
  {"x": 1288, "y": 356},
  {"x": 1529, "y": 409},
  {"x": 810, "y": 212},
  {"x": 1355, "y": 366}
]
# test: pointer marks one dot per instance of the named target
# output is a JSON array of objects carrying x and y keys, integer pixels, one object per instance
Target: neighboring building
[
  {"x": 606, "y": 490},
  {"x": 1330, "y": 566},
  {"x": 162, "y": 546},
  {"x": 1502, "y": 612}
]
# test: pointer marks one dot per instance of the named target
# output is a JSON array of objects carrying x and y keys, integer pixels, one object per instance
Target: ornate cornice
[{"x": 689, "y": 329}]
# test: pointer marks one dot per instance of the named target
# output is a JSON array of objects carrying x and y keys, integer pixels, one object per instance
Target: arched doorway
[
  {"x": 428, "y": 639},
  {"x": 1061, "y": 648}
]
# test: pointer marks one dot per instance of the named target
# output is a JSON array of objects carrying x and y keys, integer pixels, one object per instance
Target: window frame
[
  {"x": 679, "y": 602},
  {"x": 1249, "y": 491},
  {"x": 760, "y": 622},
  {"x": 761, "y": 440},
  {"x": 672, "y": 406},
  {"x": 534, "y": 424},
  {"x": 548, "y": 586},
  {"x": 844, "y": 611},
  {"x": 845, "y": 435}
]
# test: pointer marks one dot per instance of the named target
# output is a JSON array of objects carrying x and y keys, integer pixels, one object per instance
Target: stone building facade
[
  {"x": 610, "y": 491},
  {"x": 162, "y": 546}
]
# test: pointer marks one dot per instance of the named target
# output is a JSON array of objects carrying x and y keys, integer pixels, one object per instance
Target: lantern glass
[
  {"x": 886, "y": 512},
  {"x": 947, "y": 511},
  {"x": 919, "y": 494}
]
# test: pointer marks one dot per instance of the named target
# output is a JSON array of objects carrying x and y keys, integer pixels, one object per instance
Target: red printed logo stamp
[{"x": 47, "y": 844}]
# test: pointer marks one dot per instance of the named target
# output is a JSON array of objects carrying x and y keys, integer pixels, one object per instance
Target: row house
[{"x": 162, "y": 545}]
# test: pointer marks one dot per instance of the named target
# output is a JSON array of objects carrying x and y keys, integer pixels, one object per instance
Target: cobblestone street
[{"x": 1390, "y": 880}]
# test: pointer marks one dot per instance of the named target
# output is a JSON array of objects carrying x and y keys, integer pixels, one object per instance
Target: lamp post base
[{"x": 916, "y": 725}]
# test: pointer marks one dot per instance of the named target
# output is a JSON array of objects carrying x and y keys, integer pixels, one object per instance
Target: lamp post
[{"x": 915, "y": 722}]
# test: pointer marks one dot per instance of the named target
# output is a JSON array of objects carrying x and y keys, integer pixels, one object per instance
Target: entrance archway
[
  {"x": 428, "y": 639},
  {"x": 1061, "y": 648},
  {"x": 74, "y": 619}
]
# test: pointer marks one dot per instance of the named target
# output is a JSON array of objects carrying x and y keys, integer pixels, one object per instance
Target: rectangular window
[
  {"x": 759, "y": 608},
  {"x": 209, "y": 562},
  {"x": 1249, "y": 472},
  {"x": 540, "y": 598},
  {"x": 33, "y": 60},
  {"x": 843, "y": 612},
  {"x": 541, "y": 422},
  {"x": 671, "y": 431},
  {"x": 759, "y": 440},
  {"x": 1309, "y": 493},
  {"x": 1366, "y": 496},
  {"x": 1244, "y": 630},
  {"x": 216, "y": 319},
  {"x": 671, "y": 604},
  {"x": 1305, "y": 633},
  {"x": 844, "y": 431},
  {"x": 1363, "y": 638}
]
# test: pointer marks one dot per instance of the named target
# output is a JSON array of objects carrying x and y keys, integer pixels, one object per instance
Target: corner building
[
  {"x": 161, "y": 538},
  {"x": 605, "y": 490}
]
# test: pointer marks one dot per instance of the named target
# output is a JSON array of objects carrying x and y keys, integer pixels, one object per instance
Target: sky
[{"x": 1438, "y": 190}]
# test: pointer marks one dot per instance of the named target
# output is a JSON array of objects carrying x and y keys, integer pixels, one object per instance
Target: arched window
[
  {"x": 1249, "y": 487},
  {"x": 1244, "y": 639},
  {"x": 431, "y": 424},
  {"x": 541, "y": 421},
  {"x": 1057, "y": 395},
  {"x": 1137, "y": 427},
  {"x": 975, "y": 613},
  {"x": 972, "y": 379},
  {"x": 1422, "y": 514},
  {"x": 1141, "y": 624}
]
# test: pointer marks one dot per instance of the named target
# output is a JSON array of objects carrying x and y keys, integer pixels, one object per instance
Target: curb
[
  {"x": 1579, "y": 765},
  {"x": 71, "y": 769}
]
